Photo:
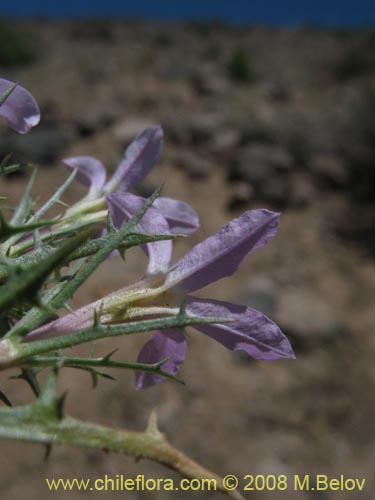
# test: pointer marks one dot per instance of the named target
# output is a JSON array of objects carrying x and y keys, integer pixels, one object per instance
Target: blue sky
[{"x": 277, "y": 12}]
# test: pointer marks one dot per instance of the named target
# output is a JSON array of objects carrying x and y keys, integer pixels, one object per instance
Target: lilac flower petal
[
  {"x": 139, "y": 158},
  {"x": 220, "y": 255},
  {"x": 166, "y": 344},
  {"x": 123, "y": 206},
  {"x": 20, "y": 109},
  {"x": 70, "y": 323},
  {"x": 181, "y": 217},
  {"x": 250, "y": 331},
  {"x": 90, "y": 171}
]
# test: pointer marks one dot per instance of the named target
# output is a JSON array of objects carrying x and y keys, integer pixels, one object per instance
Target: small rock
[
  {"x": 241, "y": 193},
  {"x": 302, "y": 189},
  {"x": 256, "y": 132},
  {"x": 195, "y": 166},
  {"x": 197, "y": 129},
  {"x": 265, "y": 166},
  {"x": 330, "y": 171},
  {"x": 260, "y": 294},
  {"x": 276, "y": 90},
  {"x": 276, "y": 190},
  {"x": 203, "y": 127},
  {"x": 206, "y": 84},
  {"x": 224, "y": 141},
  {"x": 307, "y": 318},
  {"x": 95, "y": 119},
  {"x": 257, "y": 162}
]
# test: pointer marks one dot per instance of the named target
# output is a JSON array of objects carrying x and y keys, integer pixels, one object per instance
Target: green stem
[
  {"x": 36, "y": 316},
  {"x": 105, "y": 362},
  {"x": 91, "y": 247},
  {"x": 31, "y": 423},
  {"x": 13, "y": 353}
]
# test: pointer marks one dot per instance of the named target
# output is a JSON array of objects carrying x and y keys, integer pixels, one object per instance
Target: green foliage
[
  {"x": 239, "y": 67},
  {"x": 16, "y": 47},
  {"x": 358, "y": 60},
  {"x": 32, "y": 289},
  {"x": 43, "y": 262},
  {"x": 44, "y": 422}
]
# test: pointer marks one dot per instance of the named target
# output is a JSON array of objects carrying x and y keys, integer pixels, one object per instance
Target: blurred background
[{"x": 266, "y": 104}]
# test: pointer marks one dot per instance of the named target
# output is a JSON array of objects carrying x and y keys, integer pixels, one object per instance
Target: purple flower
[
  {"x": 214, "y": 258},
  {"x": 165, "y": 216},
  {"x": 139, "y": 158},
  {"x": 19, "y": 109},
  {"x": 123, "y": 206}
]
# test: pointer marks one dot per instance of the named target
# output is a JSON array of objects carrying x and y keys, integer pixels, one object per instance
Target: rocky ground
[{"x": 253, "y": 117}]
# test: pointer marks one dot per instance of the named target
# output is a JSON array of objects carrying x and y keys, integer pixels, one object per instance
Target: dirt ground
[{"x": 97, "y": 86}]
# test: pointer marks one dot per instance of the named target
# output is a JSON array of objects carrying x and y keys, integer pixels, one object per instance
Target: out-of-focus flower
[
  {"x": 167, "y": 215},
  {"x": 216, "y": 257},
  {"x": 139, "y": 158},
  {"x": 19, "y": 109}
]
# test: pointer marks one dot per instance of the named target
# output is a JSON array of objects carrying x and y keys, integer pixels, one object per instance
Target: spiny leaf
[
  {"x": 92, "y": 333},
  {"x": 24, "y": 207},
  {"x": 36, "y": 318},
  {"x": 49, "y": 406},
  {"x": 7, "y": 230},
  {"x": 39, "y": 423},
  {"x": 55, "y": 198},
  {"x": 6, "y": 169},
  {"x": 91, "y": 364},
  {"x": 91, "y": 247},
  {"x": 38, "y": 315},
  {"x": 29, "y": 375},
  {"x": 15, "y": 167},
  {"x": 27, "y": 283}
]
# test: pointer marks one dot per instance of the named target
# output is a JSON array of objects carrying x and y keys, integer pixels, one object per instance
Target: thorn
[
  {"x": 182, "y": 310},
  {"x": 94, "y": 378},
  {"x": 62, "y": 203},
  {"x": 92, "y": 351},
  {"x": 108, "y": 356},
  {"x": 45, "y": 307},
  {"x": 106, "y": 375},
  {"x": 97, "y": 315},
  {"x": 152, "y": 424},
  {"x": 121, "y": 250},
  {"x": 111, "y": 228},
  {"x": 60, "y": 405},
  {"x": 68, "y": 308},
  {"x": 160, "y": 363},
  {"x": 29, "y": 375}
]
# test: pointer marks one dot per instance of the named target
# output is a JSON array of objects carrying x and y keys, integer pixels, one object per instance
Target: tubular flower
[
  {"x": 167, "y": 215},
  {"x": 19, "y": 108},
  {"x": 216, "y": 257},
  {"x": 139, "y": 158}
]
